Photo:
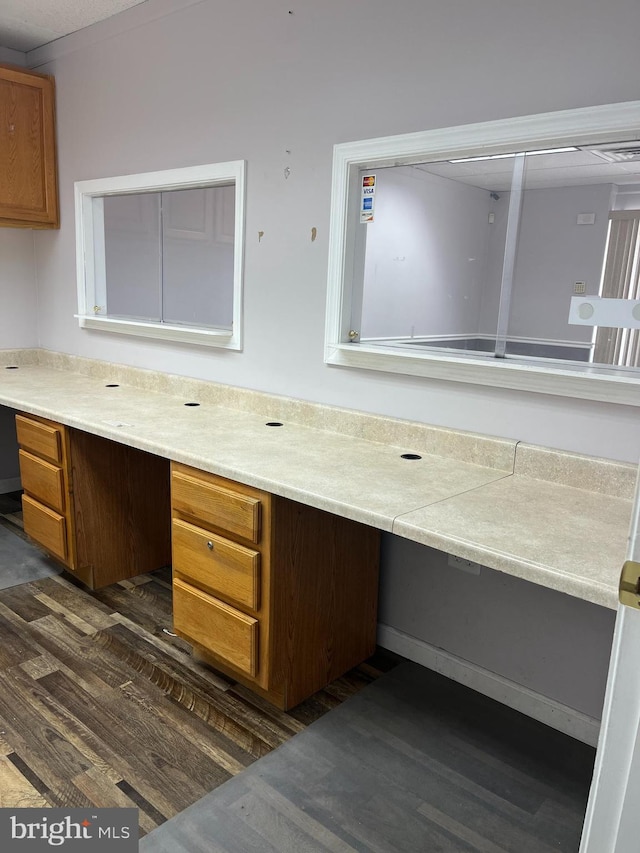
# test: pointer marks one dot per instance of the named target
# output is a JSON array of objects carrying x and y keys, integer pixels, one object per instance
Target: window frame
[
  {"x": 608, "y": 123},
  {"x": 90, "y": 249}
]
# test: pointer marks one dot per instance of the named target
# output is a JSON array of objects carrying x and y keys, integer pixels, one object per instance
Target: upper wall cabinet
[{"x": 28, "y": 181}]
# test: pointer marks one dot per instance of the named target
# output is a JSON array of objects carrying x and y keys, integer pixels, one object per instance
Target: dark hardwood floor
[
  {"x": 100, "y": 705},
  {"x": 414, "y": 762}
]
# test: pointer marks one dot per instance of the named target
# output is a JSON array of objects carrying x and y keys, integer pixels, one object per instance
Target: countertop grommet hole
[
  {"x": 192, "y": 404},
  {"x": 410, "y": 456},
  {"x": 11, "y": 367},
  {"x": 112, "y": 385},
  {"x": 274, "y": 423}
]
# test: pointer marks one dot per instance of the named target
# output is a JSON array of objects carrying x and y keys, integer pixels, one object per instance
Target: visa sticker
[{"x": 367, "y": 198}]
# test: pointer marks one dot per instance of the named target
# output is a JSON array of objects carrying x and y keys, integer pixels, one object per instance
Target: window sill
[
  {"x": 224, "y": 338},
  {"x": 567, "y": 380}
]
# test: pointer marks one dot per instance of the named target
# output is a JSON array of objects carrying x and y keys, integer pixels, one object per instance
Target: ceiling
[
  {"x": 28, "y": 24},
  {"x": 572, "y": 168}
]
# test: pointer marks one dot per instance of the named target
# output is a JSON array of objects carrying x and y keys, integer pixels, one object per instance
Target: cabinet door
[{"x": 28, "y": 186}]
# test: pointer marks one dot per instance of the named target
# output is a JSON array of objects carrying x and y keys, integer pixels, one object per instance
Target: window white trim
[
  {"x": 608, "y": 123},
  {"x": 89, "y": 249},
  {"x": 562, "y": 380}
]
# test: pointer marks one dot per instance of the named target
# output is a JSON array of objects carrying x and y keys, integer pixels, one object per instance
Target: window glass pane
[
  {"x": 561, "y": 250},
  {"x": 433, "y": 255},
  {"x": 621, "y": 280},
  {"x": 198, "y": 256},
  {"x": 509, "y": 306},
  {"x": 132, "y": 256},
  {"x": 554, "y": 252},
  {"x": 432, "y": 267},
  {"x": 160, "y": 254}
]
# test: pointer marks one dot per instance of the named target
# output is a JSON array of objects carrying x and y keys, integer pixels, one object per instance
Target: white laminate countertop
[{"x": 537, "y": 524}]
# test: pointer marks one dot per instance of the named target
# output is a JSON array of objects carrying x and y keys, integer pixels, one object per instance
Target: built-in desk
[{"x": 555, "y": 519}]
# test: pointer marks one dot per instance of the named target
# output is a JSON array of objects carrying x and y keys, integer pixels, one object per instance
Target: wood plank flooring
[
  {"x": 414, "y": 762},
  {"x": 100, "y": 705}
]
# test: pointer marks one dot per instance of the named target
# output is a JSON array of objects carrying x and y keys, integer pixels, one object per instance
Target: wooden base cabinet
[
  {"x": 99, "y": 507},
  {"x": 278, "y": 595}
]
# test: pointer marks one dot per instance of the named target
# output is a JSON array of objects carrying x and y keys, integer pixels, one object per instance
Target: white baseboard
[
  {"x": 542, "y": 708},
  {"x": 10, "y": 485}
]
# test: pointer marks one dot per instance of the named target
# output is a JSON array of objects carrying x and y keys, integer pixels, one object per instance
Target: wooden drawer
[
  {"x": 227, "y": 633},
  {"x": 230, "y": 570},
  {"x": 216, "y": 505},
  {"x": 42, "y": 439},
  {"x": 42, "y": 480},
  {"x": 45, "y": 526}
]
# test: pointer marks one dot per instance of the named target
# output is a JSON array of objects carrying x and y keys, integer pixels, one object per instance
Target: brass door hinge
[{"x": 629, "y": 591}]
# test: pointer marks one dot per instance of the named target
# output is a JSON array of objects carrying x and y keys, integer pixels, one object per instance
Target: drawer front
[
  {"x": 227, "y": 633},
  {"x": 41, "y": 439},
  {"x": 218, "y": 506},
  {"x": 230, "y": 570},
  {"x": 45, "y": 526},
  {"x": 42, "y": 480}
]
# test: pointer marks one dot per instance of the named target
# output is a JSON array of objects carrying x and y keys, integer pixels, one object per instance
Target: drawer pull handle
[{"x": 210, "y": 545}]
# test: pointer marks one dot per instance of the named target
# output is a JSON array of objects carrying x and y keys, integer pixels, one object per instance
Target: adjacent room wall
[
  {"x": 488, "y": 320},
  {"x": 426, "y": 254},
  {"x": 627, "y": 197},
  {"x": 433, "y": 262},
  {"x": 553, "y": 252}
]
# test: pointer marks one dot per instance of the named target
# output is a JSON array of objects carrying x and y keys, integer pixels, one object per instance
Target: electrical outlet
[
  {"x": 579, "y": 287},
  {"x": 464, "y": 565}
]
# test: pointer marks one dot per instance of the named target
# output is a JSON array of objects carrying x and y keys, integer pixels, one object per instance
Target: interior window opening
[
  {"x": 160, "y": 254},
  {"x": 482, "y": 255}
]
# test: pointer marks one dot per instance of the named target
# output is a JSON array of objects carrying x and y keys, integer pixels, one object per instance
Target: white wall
[
  {"x": 18, "y": 296},
  {"x": 218, "y": 80},
  {"x": 546, "y": 641},
  {"x": 12, "y": 57},
  {"x": 278, "y": 84},
  {"x": 425, "y": 259},
  {"x": 9, "y": 468},
  {"x": 18, "y": 323},
  {"x": 18, "y": 327}
]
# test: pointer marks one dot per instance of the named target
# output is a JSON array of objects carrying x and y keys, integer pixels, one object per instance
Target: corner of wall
[{"x": 13, "y": 57}]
